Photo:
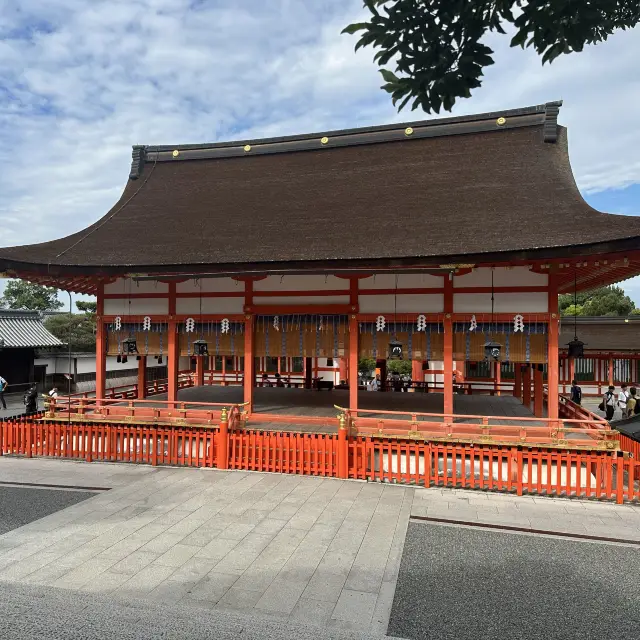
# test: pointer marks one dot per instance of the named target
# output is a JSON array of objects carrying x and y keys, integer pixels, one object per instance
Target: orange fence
[{"x": 605, "y": 474}]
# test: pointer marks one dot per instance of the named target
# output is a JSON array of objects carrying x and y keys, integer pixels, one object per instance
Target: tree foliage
[
  {"x": 366, "y": 366},
  {"x": 20, "y": 294},
  {"x": 87, "y": 306},
  {"x": 79, "y": 329},
  {"x": 436, "y": 45},
  {"x": 402, "y": 367},
  {"x": 605, "y": 301}
]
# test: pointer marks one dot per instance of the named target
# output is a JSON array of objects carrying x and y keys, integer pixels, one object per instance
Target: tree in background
[
  {"x": 79, "y": 329},
  {"x": 366, "y": 366},
  {"x": 401, "y": 367},
  {"x": 605, "y": 301},
  {"x": 20, "y": 294},
  {"x": 87, "y": 307},
  {"x": 435, "y": 45}
]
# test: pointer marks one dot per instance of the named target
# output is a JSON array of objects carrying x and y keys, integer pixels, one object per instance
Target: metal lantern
[
  {"x": 395, "y": 350},
  {"x": 492, "y": 350},
  {"x": 200, "y": 348},
  {"x": 130, "y": 345},
  {"x": 425, "y": 365},
  {"x": 576, "y": 348}
]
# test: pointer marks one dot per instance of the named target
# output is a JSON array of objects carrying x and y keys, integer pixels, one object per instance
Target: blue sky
[{"x": 80, "y": 82}]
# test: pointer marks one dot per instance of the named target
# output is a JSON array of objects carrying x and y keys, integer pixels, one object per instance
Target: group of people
[
  {"x": 30, "y": 398},
  {"x": 626, "y": 400}
]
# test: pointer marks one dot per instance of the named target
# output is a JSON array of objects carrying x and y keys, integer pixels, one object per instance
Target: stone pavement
[{"x": 320, "y": 551}]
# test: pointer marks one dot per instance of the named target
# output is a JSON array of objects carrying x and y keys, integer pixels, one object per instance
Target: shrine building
[{"x": 444, "y": 242}]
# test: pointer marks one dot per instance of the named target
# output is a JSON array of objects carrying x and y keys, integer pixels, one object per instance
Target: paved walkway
[{"x": 320, "y": 551}]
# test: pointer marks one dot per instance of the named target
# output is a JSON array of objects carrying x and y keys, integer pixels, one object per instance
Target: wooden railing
[{"x": 604, "y": 474}]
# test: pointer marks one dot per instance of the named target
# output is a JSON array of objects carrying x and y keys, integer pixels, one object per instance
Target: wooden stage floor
[{"x": 304, "y": 402}]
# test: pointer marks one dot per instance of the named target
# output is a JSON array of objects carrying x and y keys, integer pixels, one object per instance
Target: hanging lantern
[
  {"x": 425, "y": 365},
  {"x": 395, "y": 350},
  {"x": 130, "y": 345},
  {"x": 492, "y": 350},
  {"x": 200, "y": 348},
  {"x": 124, "y": 359},
  {"x": 576, "y": 348}
]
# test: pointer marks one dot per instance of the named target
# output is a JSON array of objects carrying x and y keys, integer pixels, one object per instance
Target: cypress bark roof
[{"x": 466, "y": 189}]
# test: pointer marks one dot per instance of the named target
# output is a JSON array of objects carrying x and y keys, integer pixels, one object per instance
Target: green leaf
[
  {"x": 356, "y": 26},
  {"x": 389, "y": 76}
]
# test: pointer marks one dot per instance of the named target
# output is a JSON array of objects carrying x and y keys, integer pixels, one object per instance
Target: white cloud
[{"x": 83, "y": 81}]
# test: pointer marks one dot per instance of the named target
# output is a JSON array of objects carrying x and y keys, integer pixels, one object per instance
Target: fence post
[
  {"x": 222, "y": 459},
  {"x": 154, "y": 451},
  {"x": 343, "y": 448},
  {"x": 29, "y": 438},
  {"x": 519, "y": 471},
  {"x": 620, "y": 478}
]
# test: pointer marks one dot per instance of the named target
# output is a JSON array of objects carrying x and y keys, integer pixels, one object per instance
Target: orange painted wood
[
  {"x": 101, "y": 346},
  {"x": 448, "y": 346},
  {"x": 517, "y": 386},
  {"x": 353, "y": 362},
  {"x": 199, "y": 377},
  {"x": 538, "y": 399},
  {"x": 173, "y": 361},
  {"x": 142, "y": 378},
  {"x": 249, "y": 362},
  {"x": 553, "y": 353}
]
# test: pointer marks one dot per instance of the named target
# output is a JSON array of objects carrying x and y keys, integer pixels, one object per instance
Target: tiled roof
[{"x": 25, "y": 329}]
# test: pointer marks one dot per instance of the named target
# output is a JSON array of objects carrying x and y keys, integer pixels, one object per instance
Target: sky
[{"x": 81, "y": 82}]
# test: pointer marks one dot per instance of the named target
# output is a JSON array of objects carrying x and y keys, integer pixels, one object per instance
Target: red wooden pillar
[
  {"x": 448, "y": 345},
  {"x": 101, "y": 346},
  {"x": 517, "y": 385},
  {"x": 353, "y": 363},
  {"x": 572, "y": 369},
  {"x": 526, "y": 386},
  {"x": 173, "y": 361},
  {"x": 249, "y": 363},
  {"x": 610, "y": 373},
  {"x": 199, "y": 371},
  {"x": 142, "y": 378},
  {"x": 343, "y": 369},
  {"x": 538, "y": 403},
  {"x": 497, "y": 378},
  {"x": 553, "y": 407},
  {"x": 416, "y": 371}
]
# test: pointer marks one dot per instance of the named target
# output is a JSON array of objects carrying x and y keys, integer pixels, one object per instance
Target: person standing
[
  {"x": 623, "y": 396},
  {"x": 31, "y": 399},
  {"x": 608, "y": 404},
  {"x": 3, "y": 386},
  {"x": 632, "y": 403},
  {"x": 576, "y": 393}
]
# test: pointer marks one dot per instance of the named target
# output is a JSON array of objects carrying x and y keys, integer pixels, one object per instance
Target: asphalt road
[
  {"x": 28, "y": 612},
  {"x": 462, "y": 583},
  {"x": 21, "y": 505}
]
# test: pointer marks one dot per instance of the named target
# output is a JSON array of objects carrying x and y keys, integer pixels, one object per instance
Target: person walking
[
  {"x": 608, "y": 404},
  {"x": 576, "y": 393},
  {"x": 632, "y": 402},
  {"x": 3, "y": 386},
  {"x": 623, "y": 396},
  {"x": 31, "y": 399}
]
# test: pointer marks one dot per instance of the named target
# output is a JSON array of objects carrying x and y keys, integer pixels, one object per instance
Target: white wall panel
[
  {"x": 418, "y": 303},
  {"x": 126, "y": 285},
  {"x": 139, "y": 306},
  {"x": 407, "y": 280},
  {"x": 502, "y": 277},
  {"x": 209, "y": 284},
  {"x": 209, "y": 305},
  {"x": 310, "y": 300},
  {"x": 504, "y": 303},
  {"x": 300, "y": 283}
]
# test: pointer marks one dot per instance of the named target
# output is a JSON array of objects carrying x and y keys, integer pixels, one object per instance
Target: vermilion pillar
[
  {"x": 173, "y": 361},
  {"x": 416, "y": 371},
  {"x": 538, "y": 403},
  {"x": 572, "y": 369},
  {"x": 526, "y": 386},
  {"x": 249, "y": 363},
  {"x": 517, "y": 385},
  {"x": 101, "y": 347},
  {"x": 448, "y": 345},
  {"x": 496, "y": 378},
  {"x": 553, "y": 407},
  {"x": 343, "y": 369},
  {"x": 610, "y": 373},
  {"x": 353, "y": 363},
  {"x": 142, "y": 378},
  {"x": 200, "y": 360}
]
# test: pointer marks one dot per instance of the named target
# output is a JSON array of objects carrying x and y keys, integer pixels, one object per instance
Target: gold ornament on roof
[
  {"x": 324, "y": 140},
  {"x": 408, "y": 131},
  {"x": 500, "y": 121},
  {"x": 247, "y": 147},
  {"x": 176, "y": 153}
]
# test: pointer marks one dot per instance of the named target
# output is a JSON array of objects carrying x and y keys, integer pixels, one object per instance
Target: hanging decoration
[
  {"x": 474, "y": 324},
  {"x": 381, "y": 323},
  {"x": 276, "y": 323},
  {"x": 118, "y": 323},
  {"x": 224, "y": 325},
  {"x": 491, "y": 348},
  {"x": 200, "y": 346},
  {"x": 518, "y": 324},
  {"x": 189, "y": 325},
  {"x": 395, "y": 346},
  {"x": 146, "y": 323},
  {"x": 422, "y": 323},
  {"x": 576, "y": 346},
  {"x": 130, "y": 344},
  {"x": 320, "y": 326}
]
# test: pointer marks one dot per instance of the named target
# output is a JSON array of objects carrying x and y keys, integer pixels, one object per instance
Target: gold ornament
[
  {"x": 324, "y": 140},
  {"x": 500, "y": 121},
  {"x": 408, "y": 131},
  {"x": 176, "y": 153},
  {"x": 247, "y": 147}
]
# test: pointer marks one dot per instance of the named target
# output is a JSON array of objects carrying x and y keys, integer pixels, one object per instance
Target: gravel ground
[
  {"x": 461, "y": 583},
  {"x": 28, "y": 612},
  {"x": 21, "y": 505}
]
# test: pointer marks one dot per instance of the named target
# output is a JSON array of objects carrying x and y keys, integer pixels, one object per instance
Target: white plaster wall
[
  {"x": 300, "y": 283},
  {"x": 209, "y": 284},
  {"x": 127, "y": 285},
  {"x": 311, "y": 300},
  {"x": 504, "y": 303},
  {"x": 209, "y": 305},
  {"x": 50, "y": 363},
  {"x": 409, "y": 303},
  {"x": 138, "y": 306},
  {"x": 502, "y": 277},
  {"x": 407, "y": 280}
]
